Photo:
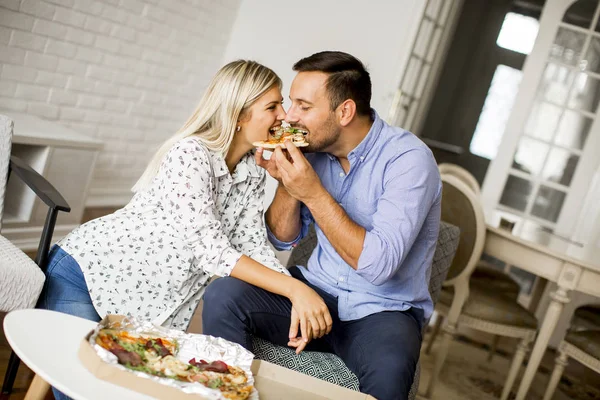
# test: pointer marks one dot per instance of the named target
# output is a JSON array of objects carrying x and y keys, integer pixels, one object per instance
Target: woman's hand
[
  {"x": 310, "y": 313},
  {"x": 269, "y": 165}
]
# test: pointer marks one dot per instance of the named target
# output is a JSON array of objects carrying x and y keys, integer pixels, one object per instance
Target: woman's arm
[
  {"x": 250, "y": 236},
  {"x": 185, "y": 183},
  {"x": 309, "y": 311}
]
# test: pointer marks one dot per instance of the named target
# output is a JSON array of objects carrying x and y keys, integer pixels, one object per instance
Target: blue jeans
[
  {"x": 65, "y": 291},
  {"x": 382, "y": 349}
]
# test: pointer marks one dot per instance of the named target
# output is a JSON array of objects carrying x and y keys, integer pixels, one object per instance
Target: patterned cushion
[
  {"x": 330, "y": 367},
  {"x": 325, "y": 366},
  {"x": 447, "y": 243}
]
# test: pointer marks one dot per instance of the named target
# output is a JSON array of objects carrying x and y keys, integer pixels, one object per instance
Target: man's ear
[{"x": 346, "y": 112}]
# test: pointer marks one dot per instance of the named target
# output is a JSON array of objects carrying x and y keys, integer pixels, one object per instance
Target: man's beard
[{"x": 326, "y": 135}]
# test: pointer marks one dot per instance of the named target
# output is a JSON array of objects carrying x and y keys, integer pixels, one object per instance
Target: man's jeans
[
  {"x": 382, "y": 349},
  {"x": 65, "y": 291}
]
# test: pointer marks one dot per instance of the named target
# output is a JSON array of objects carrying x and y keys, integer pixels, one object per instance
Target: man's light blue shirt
[{"x": 393, "y": 190}]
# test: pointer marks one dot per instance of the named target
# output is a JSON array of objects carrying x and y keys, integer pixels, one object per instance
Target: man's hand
[{"x": 297, "y": 175}]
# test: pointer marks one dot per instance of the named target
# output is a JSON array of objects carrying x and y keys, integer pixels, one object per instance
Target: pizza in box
[{"x": 159, "y": 355}]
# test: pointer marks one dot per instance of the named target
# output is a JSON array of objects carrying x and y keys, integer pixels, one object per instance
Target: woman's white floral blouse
[{"x": 154, "y": 257}]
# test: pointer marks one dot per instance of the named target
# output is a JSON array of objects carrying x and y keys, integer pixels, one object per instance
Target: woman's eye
[
  {"x": 304, "y": 108},
  {"x": 271, "y": 108}
]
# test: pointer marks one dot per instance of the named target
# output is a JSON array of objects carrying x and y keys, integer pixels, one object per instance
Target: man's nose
[{"x": 291, "y": 116}]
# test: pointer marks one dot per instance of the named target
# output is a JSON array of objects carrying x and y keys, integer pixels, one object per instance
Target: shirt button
[
  {"x": 362, "y": 158},
  {"x": 341, "y": 174},
  {"x": 341, "y": 279}
]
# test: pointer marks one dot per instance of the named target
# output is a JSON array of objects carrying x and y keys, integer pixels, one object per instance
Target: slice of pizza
[
  {"x": 156, "y": 356},
  {"x": 280, "y": 134}
]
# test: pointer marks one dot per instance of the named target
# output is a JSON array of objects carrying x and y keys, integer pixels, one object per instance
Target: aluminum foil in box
[{"x": 190, "y": 346}]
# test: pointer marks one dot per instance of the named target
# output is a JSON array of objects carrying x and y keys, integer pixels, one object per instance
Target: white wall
[
  {"x": 128, "y": 72},
  {"x": 380, "y": 33}
]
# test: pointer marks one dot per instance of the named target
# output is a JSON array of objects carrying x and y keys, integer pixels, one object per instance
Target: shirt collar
[
  {"x": 246, "y": 167},
  {"x": 361, "y": 151}
]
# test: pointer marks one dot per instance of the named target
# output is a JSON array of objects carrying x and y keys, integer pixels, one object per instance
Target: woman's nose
[{"x": 281, "y": 115}]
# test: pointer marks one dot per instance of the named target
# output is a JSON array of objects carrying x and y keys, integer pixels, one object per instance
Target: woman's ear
[{"x": 346, "y": 112}]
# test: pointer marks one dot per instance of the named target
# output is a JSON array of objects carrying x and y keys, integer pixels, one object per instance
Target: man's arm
[
  {"x": 283, "y": 216},
  {"x": 411, "y": 188},
  {"x": 345, "y": 235},
  {"x": 302, "y": 182}
]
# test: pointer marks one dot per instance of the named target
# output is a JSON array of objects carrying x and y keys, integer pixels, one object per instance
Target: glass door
[{"x": 556, "y": 132}]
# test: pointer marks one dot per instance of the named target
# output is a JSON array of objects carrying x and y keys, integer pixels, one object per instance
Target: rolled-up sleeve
[
  {"x": 250, "y": 236},
  {"x": 411, "y": 186},
  {"x": 306, "y": 219},
  {"x": 187, "y": 195}
]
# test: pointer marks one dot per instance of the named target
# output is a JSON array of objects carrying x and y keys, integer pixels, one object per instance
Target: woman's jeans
[{"x": 65, "y": 291}]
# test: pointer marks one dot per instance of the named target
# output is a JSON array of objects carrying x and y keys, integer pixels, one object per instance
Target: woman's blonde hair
[{"x": 230, "y": 93}]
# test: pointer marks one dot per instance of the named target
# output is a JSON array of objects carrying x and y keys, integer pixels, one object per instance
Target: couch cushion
[
  {"x": 21, "y": 279},
  {"x": 325, "y": 366},
  {"x": 492, "y": 306}
]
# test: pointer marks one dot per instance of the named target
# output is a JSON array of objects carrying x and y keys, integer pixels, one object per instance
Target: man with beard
[{"x": 373, "y": 192}]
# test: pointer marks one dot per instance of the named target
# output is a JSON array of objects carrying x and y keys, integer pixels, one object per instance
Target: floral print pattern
[{"x": 154, "y": 257}]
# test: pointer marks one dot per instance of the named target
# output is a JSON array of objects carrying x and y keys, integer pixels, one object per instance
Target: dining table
[
  {"x": 48, "y": 343},
  {"x": 573, "y": 267}
]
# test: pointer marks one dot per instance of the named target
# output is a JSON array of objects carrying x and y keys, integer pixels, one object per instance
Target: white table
[
  {"x": 569, "y": 266},
  {"x": 48, "y": 341}
]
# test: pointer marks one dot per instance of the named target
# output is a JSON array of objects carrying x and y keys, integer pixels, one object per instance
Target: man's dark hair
[{"x": 348, "y": 78}]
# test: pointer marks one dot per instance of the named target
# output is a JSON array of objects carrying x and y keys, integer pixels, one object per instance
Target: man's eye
[
  {"x": 271, "y": 108},
  {"x": 304, "y": 108}
]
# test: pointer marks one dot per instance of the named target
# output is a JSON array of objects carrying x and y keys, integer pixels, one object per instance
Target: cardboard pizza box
[{"x": 272, "y": 381}]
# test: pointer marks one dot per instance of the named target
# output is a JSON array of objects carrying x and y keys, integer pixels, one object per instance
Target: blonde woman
[{"x": 197, "y": 212}]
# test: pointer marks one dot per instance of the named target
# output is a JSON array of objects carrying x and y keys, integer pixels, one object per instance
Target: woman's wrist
[{"x": 291, "y": 287}]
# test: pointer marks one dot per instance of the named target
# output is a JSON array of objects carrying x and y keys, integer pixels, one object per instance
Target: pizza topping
[
  {"x": 158, "y": 346},
  {"x": 127, "y": 357},
  {"x": 156, "y": 356},
  {"x": 280, "y": 134},
  {"x": 215, "y": 366}
]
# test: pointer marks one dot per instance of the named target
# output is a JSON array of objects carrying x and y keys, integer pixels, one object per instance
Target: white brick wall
[{"x": 128, "y": 72}]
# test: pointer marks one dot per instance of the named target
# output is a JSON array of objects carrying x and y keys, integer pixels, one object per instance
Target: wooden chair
[
  {"x": 469, "y": 305},
  {"x": 583, "y": 346},
  {"x": 484, "y": 275}
]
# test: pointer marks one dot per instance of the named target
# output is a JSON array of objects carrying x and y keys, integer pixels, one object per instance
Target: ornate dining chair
[
  {"x": 462, "y": 174},
  {"x": 23, "y": 278},
  {"x": 581, "y": 345},
  {"x": 465, "y": 304},
  {"x": 330, "y": 367},
  {"x": 484, "y": 275},
  {"x": 586, "y": 318}
]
